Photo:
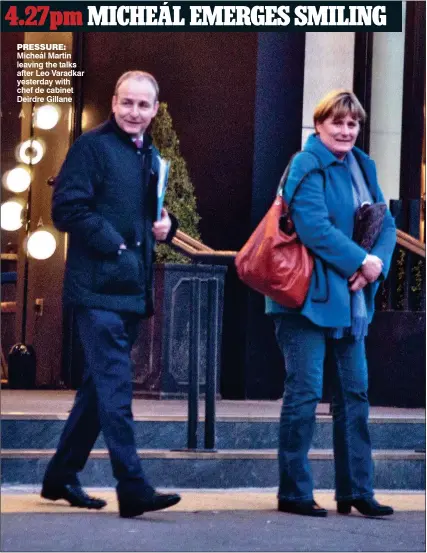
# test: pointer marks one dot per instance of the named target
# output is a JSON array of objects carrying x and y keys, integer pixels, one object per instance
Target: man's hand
[
  {"x": 357, "y": 281},
  {"x": 161, "y": 228},
  {"x": 372, "y": 268},
  {"x": 121, "y": 248}
]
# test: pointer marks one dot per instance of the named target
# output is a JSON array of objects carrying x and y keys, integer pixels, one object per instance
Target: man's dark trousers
[{"x": 103, "y": 401}]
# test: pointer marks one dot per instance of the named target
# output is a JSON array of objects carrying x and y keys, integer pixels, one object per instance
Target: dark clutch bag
[{"x": 368, "y": 222}]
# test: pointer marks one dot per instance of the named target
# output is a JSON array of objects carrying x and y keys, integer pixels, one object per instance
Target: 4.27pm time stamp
[{"x": 41, "y": 16}]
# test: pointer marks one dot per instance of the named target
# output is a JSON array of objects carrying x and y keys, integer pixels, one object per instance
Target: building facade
[{"x": 242, "y": 104}]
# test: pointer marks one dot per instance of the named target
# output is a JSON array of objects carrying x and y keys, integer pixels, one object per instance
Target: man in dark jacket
[{"x": 106, "y": 199}]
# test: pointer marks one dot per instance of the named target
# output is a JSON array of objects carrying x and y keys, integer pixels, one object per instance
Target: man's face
[{"x": 134, "y": 106}]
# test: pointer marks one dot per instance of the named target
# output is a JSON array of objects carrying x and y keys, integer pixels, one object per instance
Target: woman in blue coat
[{"x": 322, "y": 207}]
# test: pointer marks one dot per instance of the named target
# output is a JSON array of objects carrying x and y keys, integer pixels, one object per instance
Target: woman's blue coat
[{"x": 322, "y": 210}]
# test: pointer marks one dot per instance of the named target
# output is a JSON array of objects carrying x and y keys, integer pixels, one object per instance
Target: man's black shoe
[
  {"x": 132, "y": 507},
  {"x": 74, "y": 494},
  {"x": 307, "y": 508}
]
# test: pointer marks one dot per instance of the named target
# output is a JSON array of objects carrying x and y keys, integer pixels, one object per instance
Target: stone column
[
  {"x": 329, "y": 64},
  {"x": 386, "y": 108}
]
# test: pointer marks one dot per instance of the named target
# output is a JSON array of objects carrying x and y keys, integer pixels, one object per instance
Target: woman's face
[{"x": 338, "y": 134}]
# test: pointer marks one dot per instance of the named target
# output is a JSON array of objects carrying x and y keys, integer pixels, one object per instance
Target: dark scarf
[{"x": 359, "y": 314}]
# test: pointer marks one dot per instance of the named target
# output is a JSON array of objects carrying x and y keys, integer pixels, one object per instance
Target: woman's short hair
[
  {"x": 339, "y": 103},
  {"x": 139, "y": 76}
]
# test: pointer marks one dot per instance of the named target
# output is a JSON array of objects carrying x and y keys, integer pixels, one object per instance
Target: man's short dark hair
[{"x": 139, "y": 76}]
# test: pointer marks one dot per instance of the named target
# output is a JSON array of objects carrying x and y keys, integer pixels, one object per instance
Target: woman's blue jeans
[{"x": 303, "y": 345}]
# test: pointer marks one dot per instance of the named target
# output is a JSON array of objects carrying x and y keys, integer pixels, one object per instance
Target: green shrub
[{"x": 180, "y": 199}]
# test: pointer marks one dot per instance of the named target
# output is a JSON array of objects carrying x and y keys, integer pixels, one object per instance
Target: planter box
[
  {"x": 163, "y": 349},
  {"x": 396, "y": 352}
]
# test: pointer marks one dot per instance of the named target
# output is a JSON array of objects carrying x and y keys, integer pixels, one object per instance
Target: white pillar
[
  {"x": 329, "y": 64},
  {"x": 386, "y": 108}
]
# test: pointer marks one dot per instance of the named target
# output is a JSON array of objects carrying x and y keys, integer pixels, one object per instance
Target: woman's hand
[
  {"x": 161, "y": 228},
  {"x": 357, "y": 281},
  {"x": 372, "y": 268}
]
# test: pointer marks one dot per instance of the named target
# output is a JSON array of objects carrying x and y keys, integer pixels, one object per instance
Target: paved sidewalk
[{"x": 205, "y": 520}]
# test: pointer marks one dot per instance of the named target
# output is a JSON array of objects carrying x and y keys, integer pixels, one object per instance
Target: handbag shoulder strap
[{"x": 285, "y": 175}]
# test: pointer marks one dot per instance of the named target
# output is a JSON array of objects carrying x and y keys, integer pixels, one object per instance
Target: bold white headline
[{"x": 238, "y": 16}]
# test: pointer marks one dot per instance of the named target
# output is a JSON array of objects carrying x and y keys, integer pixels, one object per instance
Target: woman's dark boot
[
  {"x": 368, "y": 507},
  {"x": 307, "y": 508}
]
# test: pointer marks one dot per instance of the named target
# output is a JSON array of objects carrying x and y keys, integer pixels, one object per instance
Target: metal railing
[
  {"x": 200, "y": 253},
  {"x": 404, "y": 288},
  {"x": 410, "y": 243},
  {"x": 195, "y": 249},
  {"x": 211, "y": 367}
]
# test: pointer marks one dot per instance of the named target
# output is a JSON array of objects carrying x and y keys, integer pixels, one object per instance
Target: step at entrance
[{"x": 394, "y": 469}]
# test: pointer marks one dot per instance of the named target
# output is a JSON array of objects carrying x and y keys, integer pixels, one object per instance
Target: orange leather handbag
[{"x": 273, "y": 261}]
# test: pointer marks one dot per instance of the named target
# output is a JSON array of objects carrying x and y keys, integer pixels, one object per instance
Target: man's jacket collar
[{"x": 148, "y": 141}]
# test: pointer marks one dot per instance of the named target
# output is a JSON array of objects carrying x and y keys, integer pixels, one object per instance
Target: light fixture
[
  {"x": 31, "y": 151},
  {"x": 11, "y": 213},
  {"x": 17, "y": 180},
  {"x": 46, "y": 117},
  {"x": 41, "y": 244}
]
